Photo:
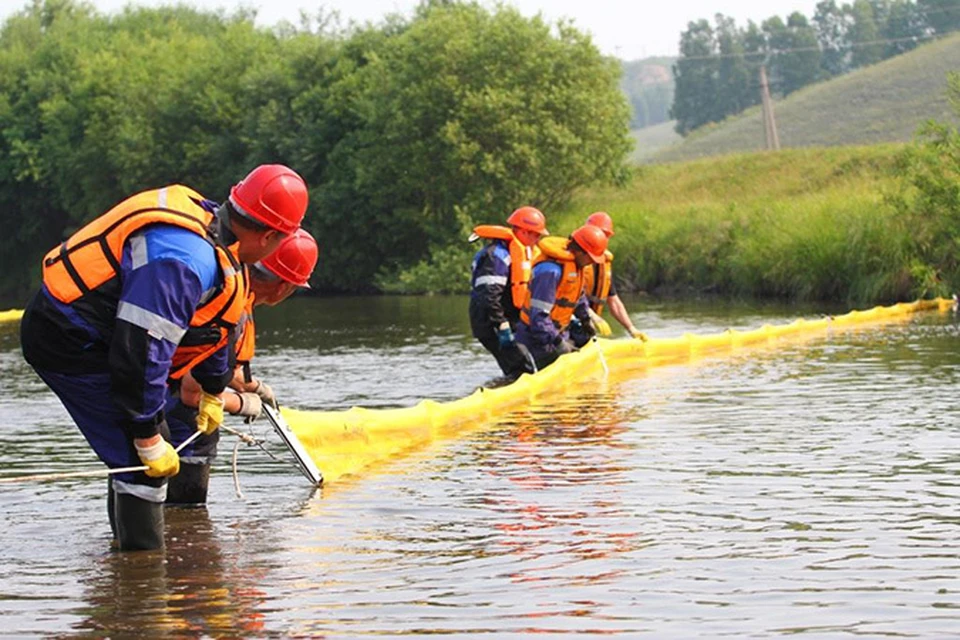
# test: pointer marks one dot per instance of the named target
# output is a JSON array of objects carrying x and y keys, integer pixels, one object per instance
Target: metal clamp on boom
[{"x": 304, "y": 461}]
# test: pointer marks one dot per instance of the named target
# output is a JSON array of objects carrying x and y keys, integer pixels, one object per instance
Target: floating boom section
[
  {"x": 11, "y": 315},
  {"x": 345, "y": 443}
]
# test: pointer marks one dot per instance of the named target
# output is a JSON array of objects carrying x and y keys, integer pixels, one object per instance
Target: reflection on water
[{"x": 811, "y": 488}]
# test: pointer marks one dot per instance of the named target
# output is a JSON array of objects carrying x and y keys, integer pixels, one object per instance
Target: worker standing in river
[
  {"x": 272, "y": 280},
  {"x": 555, "y": 296},
  {"x": 500, "y": 275},
  {"x": 119, "y": 297},
  {"x": 601, "y": 290}
]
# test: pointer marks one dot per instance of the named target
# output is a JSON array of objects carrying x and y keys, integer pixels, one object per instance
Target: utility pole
[{"x": 769, "y": 122}]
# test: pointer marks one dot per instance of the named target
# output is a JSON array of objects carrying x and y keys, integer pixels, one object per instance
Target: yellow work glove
[
  {"x": 159, "y": 456},
  {"x": 210, "y": 415},
  {"x": 639, "y": 335},
  {"x": 601, "y": 325}
]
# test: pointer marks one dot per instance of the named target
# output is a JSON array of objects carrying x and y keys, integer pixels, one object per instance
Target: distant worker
[
  {"x": 555, "y": 297},
  {"x": 272, "y": 280},
  {"x": 600, "y": 289},
  {"x": 119, "y": 297},
  {"x": 498, "y": 288}
]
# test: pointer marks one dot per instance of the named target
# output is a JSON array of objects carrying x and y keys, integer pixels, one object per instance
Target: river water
[{"x": 809, "y": 488}]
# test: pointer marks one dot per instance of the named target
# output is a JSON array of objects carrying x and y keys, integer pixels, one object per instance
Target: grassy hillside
[
  {"x": 651, "y": 140},
  {"x": 882, "y": 103},
  {"x": 800, "y": 224}
]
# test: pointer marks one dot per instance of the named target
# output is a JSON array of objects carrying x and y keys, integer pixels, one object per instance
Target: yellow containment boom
[
  {"x": 343, "y": 443},
  {"x": 10, "y": 315}
]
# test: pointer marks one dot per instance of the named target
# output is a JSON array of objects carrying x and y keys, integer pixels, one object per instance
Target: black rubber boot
[
  {"x": 189, "y": 487},
  {"x": 139, "y": 523},
  {"x": 111, "y": 510}
]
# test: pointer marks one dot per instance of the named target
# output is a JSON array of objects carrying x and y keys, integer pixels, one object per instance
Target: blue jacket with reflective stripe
[{"x": 490, "y": 294}]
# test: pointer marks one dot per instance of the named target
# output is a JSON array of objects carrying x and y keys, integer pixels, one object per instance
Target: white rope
[
  {"x": 41, "y": 477},
  {"x": 236, "y": 475}
]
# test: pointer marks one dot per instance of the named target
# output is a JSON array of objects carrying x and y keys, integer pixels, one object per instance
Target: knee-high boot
[
  {"x": 189, "y": 487},
  {"x": 139, "y": 523}
]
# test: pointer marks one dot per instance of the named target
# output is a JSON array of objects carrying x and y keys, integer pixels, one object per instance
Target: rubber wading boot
[
  {"x": 139, "y": 523},
  {"x": 110, "y": 513},
  {"x": 189, "y": 487}
]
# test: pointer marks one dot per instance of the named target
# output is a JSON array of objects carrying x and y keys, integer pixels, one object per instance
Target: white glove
[
  {"x": 251, "y": 406},
  {"x": 266, "y": 394}
]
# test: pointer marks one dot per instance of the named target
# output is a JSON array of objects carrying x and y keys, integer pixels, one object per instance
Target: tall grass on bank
[
  {"x": 808, "y": 224},
  {"x": 838, "y": 224}
]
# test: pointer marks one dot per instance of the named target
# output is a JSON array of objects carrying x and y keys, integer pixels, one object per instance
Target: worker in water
[
  {"x": 601, "y": 290},
  {"x": 272, "y": 280},
  {"x": 119, "y": 297},
  {"x": 498, "y": 287},
  {"x": 555, "y": 296}
]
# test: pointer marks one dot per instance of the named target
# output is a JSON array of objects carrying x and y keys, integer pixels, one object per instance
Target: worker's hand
[
  {"x": 251, "y": 406},
  {"x": 266, "y": 394},
  {"x": 159, "y": 456},
  {"x": 210, "y": 415},
  {"x": 505, "y": 335},
  {"x": 601, "y": 325},
  {"x": 639, "y": 335}
]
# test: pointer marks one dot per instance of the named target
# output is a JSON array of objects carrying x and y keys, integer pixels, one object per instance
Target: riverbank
[{"x": 799, "y": 224}]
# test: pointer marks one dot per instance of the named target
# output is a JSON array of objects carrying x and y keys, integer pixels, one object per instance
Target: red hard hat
[
  {"x": 530, "y": 219},
  {"x": 273, "y": 195},
  {"x": 294, "y": 260},
  {"x": 592, "y": 240},
  {"x": 603, "y": 220}
]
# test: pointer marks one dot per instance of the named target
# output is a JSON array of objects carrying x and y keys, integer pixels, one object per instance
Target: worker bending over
[{"x": 555, "y": 297}]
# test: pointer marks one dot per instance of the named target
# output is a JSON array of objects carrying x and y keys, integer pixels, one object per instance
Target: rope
[{"x": 41, "y": 477}]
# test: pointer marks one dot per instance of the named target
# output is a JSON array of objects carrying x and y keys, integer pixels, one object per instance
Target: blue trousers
[{"x": 89, "y": 402}]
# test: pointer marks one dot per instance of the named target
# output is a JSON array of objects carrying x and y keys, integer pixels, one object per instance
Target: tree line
[
  {"x": 717, "y": 72},
  {"x": 408, "y": 132}
]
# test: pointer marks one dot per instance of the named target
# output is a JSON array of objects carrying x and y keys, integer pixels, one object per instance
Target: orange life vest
[
  {"x": 91, "y": 257},
  {"x": 570, "y": 287},
  {"x": 597, "y": 289},
  {"x": 521, "y": 259}
]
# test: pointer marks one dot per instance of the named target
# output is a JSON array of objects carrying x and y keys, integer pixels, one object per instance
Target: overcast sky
[{"x": 629, "y": 29}]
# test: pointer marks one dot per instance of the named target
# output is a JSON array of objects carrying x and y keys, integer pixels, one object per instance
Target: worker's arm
[
  {"x": 164, "y": 273},
  {"x": 619, "y": 312}
]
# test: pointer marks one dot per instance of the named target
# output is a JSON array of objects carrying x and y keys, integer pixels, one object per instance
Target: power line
[
  {"x": 870, "y": 43},
  {"x": 852, "y": 45}
]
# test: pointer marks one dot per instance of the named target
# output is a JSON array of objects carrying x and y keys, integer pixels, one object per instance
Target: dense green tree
[
  {"x": 695, "y": 74},
  {"x": 943, "y": 16},
  {"x": 456, "y": 117},
  {"x": 905, "y": 27},
  {"x": 864, "y": 35},
  {"x": 831, "y": 24},
  {"x": 407, "y": 132},
  {"x": 800, "y": 64},
  {"x": 734, "y": 92},
  {"x": 931, "y": 195}
]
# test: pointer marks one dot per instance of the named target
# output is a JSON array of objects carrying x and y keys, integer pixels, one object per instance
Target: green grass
[
  {"x": 804, "y": 224},
  {"x": 882, "y": 103},
  {"x": 651, "y": 140},
  {"x": 835, "y": 224}
]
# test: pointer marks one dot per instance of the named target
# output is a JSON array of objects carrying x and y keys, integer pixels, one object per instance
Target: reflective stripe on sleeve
[
  {"x": 542, "y": 305},
  {"x": 138, "y": 251},
  {"x": 488, "y": 280},
  {"x": 155, "y": 325}
]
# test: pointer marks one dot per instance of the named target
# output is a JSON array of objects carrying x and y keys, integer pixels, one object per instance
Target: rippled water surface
[{"x": 809, "y": 487}]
